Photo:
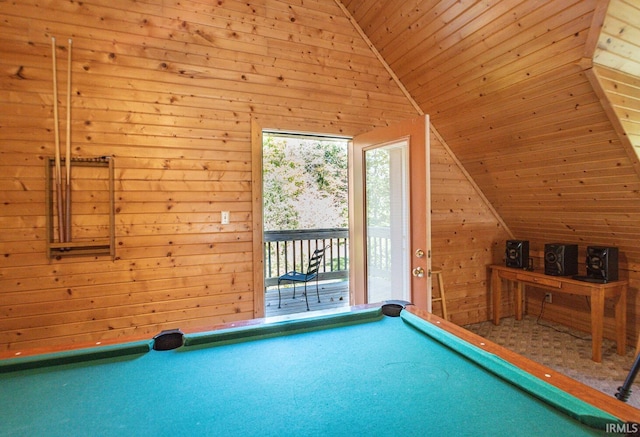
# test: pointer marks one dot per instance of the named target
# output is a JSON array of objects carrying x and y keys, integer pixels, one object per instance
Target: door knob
[{"x": 418, "y": 272}]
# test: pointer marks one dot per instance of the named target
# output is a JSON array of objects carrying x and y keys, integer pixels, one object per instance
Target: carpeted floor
[{"x": 564, "y": 350}]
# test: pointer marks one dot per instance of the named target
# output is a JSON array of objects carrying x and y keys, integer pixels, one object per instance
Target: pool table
[{"x": 371, "y": 370}]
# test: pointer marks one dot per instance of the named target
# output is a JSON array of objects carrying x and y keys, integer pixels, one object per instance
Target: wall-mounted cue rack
[{"x": 90, "y": 221}]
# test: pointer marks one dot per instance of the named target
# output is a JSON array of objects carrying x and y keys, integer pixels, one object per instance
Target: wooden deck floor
[{"x": 333, "y": 295}]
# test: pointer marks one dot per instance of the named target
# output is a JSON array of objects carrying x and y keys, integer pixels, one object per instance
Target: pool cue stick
[
  {"x": 67, "y": 161},
  {"x": 58, "y": 175}
]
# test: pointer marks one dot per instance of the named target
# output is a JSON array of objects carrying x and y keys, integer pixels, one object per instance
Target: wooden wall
[
  {"x": 169, "y": 89},
  {"x": 523, "y": 144},
  {"x": 467, "y": 236},
  {"x": 508, "y": 85}
]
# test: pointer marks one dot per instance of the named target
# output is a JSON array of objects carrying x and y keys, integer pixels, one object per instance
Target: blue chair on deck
[{"x": 311, "y": 274}]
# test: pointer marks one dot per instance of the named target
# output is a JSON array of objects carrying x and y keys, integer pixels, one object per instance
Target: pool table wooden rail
[
  {"x": 4, "y": 354},
  {"x": 581, "y": 391}
]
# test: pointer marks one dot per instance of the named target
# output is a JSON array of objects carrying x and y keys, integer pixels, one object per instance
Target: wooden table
[{"x": 562, "y": 284}]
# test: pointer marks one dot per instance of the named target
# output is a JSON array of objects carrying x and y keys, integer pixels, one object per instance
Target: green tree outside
[{"x": 305, "y": 183}]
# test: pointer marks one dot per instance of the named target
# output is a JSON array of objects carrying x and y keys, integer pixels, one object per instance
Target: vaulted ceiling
[{"x": 510, "y": 87}]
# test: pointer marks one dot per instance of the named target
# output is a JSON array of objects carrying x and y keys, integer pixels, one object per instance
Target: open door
[{"x": 389, "y": 204}]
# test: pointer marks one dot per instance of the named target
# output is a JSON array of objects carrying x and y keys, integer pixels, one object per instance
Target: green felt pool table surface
[{"x": 354, "y": 373}]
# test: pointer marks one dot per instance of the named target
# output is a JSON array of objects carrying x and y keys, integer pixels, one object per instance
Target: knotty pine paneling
[
  {"x": 169, "y": 89},
  {"x": 508, "y": 86},
  {"x": 465, "y": 238}
]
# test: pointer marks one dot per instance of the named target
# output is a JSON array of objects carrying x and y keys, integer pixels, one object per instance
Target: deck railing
[
  {"x": 290, "y": 250},
  {"x": 378, "y": 250}
]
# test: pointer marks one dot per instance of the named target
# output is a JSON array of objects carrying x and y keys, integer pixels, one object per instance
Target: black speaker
[
  {"x": 560, "y": 259},
  {"x": 517, "y": 254},
  {"x": 602, "y": 263}
]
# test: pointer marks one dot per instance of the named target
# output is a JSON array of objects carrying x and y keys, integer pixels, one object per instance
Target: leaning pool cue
[
  {"x": 58, "y": 174},
  {"x": 67, "y": 161}
]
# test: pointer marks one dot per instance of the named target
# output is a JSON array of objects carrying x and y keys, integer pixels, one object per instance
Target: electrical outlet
[
  {"x": 224, "y": 217},
  {"x": 547, "y": 297}
]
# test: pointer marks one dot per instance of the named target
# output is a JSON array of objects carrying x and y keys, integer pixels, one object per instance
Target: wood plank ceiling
[
  {"x": 512, "y": 88},
  {"x": 506, "y": 86}
]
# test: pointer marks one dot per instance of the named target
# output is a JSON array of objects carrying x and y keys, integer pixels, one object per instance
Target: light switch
[{"x": 224, "y": 217}]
